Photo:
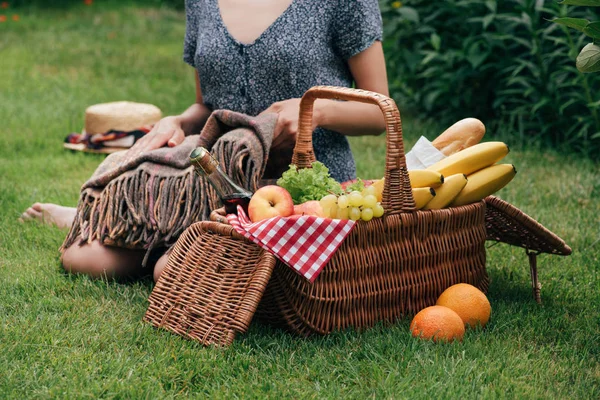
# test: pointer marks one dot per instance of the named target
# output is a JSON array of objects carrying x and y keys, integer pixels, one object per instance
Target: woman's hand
[
  {"x": 287, "y": 123},
  {"x": 166, "y": 131}
]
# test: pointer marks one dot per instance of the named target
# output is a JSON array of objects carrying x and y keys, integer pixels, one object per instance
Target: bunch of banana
[
  {"x": 476, "y": 170},
  {"x": 464, "y": 177}
]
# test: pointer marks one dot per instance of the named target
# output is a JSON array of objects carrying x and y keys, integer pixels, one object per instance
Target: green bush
[
  {"x": 588, "y": 59},
  {"x": 504, "y": 62}
]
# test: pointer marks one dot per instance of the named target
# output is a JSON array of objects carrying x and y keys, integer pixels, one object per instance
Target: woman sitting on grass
[{"x": 253, "y": 58}]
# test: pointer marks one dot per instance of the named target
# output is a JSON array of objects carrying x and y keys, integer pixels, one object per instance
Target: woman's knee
[
  {"x": 97, "y": 260},
  {"x": 160, "y": 266}
]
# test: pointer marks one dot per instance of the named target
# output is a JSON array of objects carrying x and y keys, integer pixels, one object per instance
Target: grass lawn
[{"x": 63, "y": 336}]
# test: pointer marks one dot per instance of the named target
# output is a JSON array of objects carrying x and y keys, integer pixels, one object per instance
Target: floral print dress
[{"x": 307, "y": 45}]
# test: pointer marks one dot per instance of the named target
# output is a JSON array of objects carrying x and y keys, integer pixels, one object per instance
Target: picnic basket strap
[{"x": 397, "y": 192}]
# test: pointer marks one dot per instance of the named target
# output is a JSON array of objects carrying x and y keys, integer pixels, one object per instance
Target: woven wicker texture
[
  {"x": 387, "y": 268},
  {"x": 211, "y": 286},
  {"x": 506, "y": 223}
]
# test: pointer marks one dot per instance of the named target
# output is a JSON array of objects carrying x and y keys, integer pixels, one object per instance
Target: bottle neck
[{"x": 224, "y": 186}]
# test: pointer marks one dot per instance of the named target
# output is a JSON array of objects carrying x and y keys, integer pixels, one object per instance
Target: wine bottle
[{"x": 231, "y": 195}]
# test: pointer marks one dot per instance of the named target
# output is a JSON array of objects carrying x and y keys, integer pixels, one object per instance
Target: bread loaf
[{"x": 464, "y": 133}]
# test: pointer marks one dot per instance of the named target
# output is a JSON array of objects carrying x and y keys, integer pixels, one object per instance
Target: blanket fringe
[{"x": 152, "y": 211}]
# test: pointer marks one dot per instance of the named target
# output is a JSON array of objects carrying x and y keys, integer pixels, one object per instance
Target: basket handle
[{"x": 397, "y": 192}]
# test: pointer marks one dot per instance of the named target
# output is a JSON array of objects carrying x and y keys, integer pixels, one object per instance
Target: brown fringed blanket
[{"x": 145, "y": 201}]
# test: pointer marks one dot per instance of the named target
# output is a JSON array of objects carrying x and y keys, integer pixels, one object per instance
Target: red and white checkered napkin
[{"x": 305, "y": 243}]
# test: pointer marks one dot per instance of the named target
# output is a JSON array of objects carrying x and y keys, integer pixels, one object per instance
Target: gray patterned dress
[{"x": 308, "y": 45}]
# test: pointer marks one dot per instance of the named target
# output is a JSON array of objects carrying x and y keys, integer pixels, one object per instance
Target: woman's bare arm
[{"x": 352, "y": 118}]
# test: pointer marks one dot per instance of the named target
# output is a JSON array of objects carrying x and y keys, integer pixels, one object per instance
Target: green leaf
[
  {"x": 589, "y": 59},
  {"x": 487, "y": 20},
  {"x": 593, "y": 30},
  {"x": 476, "y": 54},
  {"x": 591, "y": 3},
  {"x": 436, "y": 41},
  {"x": 409, "y": 13},
  {"x": 577, "y": 23},
  {"x": 308, "y": 183}
]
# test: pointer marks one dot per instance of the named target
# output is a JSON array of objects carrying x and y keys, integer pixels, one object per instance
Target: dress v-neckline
[{"x": 263, "y": 33}]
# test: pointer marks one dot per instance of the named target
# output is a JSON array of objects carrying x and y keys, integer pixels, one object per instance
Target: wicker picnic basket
[
  {"x": 387, "y": 267},
  {"x": 216, "y": 280}
]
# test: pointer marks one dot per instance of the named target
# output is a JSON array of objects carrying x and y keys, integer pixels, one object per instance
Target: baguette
[{"x": 464, "y": 133}]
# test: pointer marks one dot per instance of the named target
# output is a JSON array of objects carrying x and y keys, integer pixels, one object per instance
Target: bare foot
[{"x": 51, "y": 214}]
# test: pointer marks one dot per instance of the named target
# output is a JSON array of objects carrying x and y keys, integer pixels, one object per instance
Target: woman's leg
[
  {"x": 98, "y": 261},
  {"x": 160, "y": 265},
  {"x": 51, "y": 214}
]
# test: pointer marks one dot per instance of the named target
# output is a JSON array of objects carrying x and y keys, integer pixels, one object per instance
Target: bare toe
[
  {"x": 51, "y": 214},
  {"x": 31, "y": 215}
]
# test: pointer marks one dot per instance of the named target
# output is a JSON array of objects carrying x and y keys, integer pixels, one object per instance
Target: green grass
[{"x": 70, "y": 337}]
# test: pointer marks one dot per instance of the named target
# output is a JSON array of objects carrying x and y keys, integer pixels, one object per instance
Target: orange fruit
[
  {"x": 437, "y": 323},
  {"x": 468, "y": 302}
]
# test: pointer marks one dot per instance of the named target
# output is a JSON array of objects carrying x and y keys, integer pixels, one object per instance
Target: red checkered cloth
[{"x": 304, "y": 242}]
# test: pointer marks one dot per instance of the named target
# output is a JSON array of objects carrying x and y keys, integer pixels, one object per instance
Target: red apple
[
  {"x": 270, "y": 201},
  {"x": 312, "y": 207}
]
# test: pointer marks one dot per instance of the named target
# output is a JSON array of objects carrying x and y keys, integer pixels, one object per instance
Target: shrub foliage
[{"x": 504, "y": 62}]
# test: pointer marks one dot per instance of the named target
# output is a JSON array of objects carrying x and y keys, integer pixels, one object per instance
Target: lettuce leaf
[{"x": 309, "y": 183}]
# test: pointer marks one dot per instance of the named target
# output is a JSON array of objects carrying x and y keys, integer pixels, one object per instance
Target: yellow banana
[
  {"x": 446, "y": 193},
  {"x": 420, "y": 178},
  {"x": 471, "y": 159},
  {"x": 422, "y": 196},
  {"x": 485, "y": 182}
]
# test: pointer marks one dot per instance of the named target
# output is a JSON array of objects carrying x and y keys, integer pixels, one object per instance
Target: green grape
[
  {"x": 366, "y": 214},
  {"x": 342, "y": 213},
  {"x": 369, "y": 201},
  {"x": 354, "y": 213},
  {"x": 355, "y": 199},
  {"x": 328, "y": 201},
  {"x": 342, "y": 201},
  {"x": 378, "y": 210},
  {"x": 332, "y": 212},
  {"x": 369, "y": 190}
]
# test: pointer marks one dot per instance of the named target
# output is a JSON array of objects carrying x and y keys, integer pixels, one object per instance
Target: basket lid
[
  {"x": 211, "y": 286},
  {"x": 506, "y": 223}
]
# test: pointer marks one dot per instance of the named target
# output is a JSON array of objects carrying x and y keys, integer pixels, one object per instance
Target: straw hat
[
  {"x": 120, "y": 116},
  {"x": 114, "y": 126}
]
